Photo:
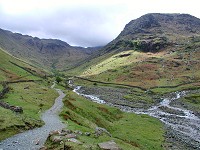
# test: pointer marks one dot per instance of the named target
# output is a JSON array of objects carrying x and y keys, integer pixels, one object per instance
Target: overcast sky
[{"x": 83, "y": 22}]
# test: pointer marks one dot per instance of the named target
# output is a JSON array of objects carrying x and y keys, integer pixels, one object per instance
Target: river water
[
  {"x": 182, "y": 121},
  {"x": 35, "y": 139}
]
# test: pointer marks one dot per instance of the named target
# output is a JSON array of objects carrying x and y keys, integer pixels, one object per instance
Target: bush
[{"x": 58, "y": 79}]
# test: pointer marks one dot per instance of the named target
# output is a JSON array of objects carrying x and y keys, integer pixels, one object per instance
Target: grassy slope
[
  {"x": 10, "y": 72},
  {"x": 128, "y": 130},
  {"x": 31, "y": 96},
  {"x": 168, "y": 67},
  {"x": 192, "y": 101},
  {"x": 33, "y": 100}
]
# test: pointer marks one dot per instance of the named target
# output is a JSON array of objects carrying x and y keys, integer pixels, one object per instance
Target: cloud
[{"x": 83, "y": 23}]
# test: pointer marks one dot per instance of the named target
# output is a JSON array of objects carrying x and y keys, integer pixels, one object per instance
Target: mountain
[
  {"x": 153, "y": 32},
  {"x": 45, "y": 53},
  {"x": 153, "y": 50}
]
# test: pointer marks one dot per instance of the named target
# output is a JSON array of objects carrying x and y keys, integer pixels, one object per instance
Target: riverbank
[
  {"x": 127, "y": 130},
  {"x": 182, "y": 125}
]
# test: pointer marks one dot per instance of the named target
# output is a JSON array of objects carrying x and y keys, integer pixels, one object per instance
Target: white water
[
  {"x": 184, "y": 122},
  {"x": 92, "y": 97},
  {"x": 35, "y": 139}
]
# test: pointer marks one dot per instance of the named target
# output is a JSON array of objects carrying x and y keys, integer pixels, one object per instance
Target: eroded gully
[{"x": 35, "y": 139}]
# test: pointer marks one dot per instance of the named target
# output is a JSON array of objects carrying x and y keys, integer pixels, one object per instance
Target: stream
[
  {"x": 183, "y": 123},
  {"x": 35, "y": 139}
]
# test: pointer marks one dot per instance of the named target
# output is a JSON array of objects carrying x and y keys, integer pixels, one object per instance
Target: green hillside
[
  {"x": 12, "y": 69},
  {"x": 168, "y": 67},
  {"x": 49, "y": 54},
  {"x": 31, "y": 92},
  {"x": 154, "y": 50}
]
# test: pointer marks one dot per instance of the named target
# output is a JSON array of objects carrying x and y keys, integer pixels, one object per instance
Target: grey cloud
[
  {"x": 83, "y": 23},
  {"x": 77, "y": 26}
]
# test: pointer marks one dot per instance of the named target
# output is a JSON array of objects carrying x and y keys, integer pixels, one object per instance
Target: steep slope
[
  {"x": 153, "y": 32},
  {"x": 12, "y": 69},
  {"x": 46, "y": 53},
  {"x": 23, "y": 95},
  {"x": 153, "y": 50}
]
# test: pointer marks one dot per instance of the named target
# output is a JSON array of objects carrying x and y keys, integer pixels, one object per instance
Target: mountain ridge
[
  {"x": 153, "y": 30},
  {"x": 46, "y": 53}
]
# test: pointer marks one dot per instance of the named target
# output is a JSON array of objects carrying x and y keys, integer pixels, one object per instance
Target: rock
[
  {"x": 15, "y": 141},
  {"x": 99, "y": 131},
  {"x": 74, "y": 141},
  {"x": 110, "y": 145},
  {"x": 56, "y": 138},
  {"x": 87, "y": 133},
  {"x": 78, "y": 132},
  {"x": 27, "y": 87},
  {"x": 54, "y": 132},
  {"x": 68, "y": 136},
  {"x": 18, "y": 109},
  {"x": 37, "y": 142},
  {"x": 43, "y": 148},
  {"x": 61, "y": 142},
  {"x": 66, "y": 131}
]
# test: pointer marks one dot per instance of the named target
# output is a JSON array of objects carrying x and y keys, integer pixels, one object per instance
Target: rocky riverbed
[
  {"x": 182, "y": 125},
  {"x": 35, "y": 139}
]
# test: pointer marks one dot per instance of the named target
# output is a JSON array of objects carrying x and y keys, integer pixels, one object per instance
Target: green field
[
  {"x": 34, "y": 98},
  {"x": 128, "y": 130}
]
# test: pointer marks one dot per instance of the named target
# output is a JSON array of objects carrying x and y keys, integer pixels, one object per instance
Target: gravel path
[{"x": 35, "y": 139}]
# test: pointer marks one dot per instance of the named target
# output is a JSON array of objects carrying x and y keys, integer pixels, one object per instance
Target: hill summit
[{"x": 155, "y": 31}]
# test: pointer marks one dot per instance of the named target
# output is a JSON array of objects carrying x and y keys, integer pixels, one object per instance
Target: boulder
[
  {"x": 87, "y": 133},
  {"x": 56, "y": 138},
  {"x": 99, "y": 131},
  {"x": 69, "y": 136},
  {"x": 37, "y": 142},
  {"x": 66, "y": 131},
  {"x": 18, "y": 109},
  {"x": 110, "y": 145},
  {"x": 54, "y": 132},
  {"x": 74, "y": 141},
  {"x": 43, "y": 148},
  {"x": 78, "y": 132}
]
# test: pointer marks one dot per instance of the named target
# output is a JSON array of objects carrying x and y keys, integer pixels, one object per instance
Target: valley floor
[{"x": 182, "y": 125}]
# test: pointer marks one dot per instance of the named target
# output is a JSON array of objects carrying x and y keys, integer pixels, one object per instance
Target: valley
[
  {"x": 138, "y": 92},
  {"x": 182, "y": 125}
]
